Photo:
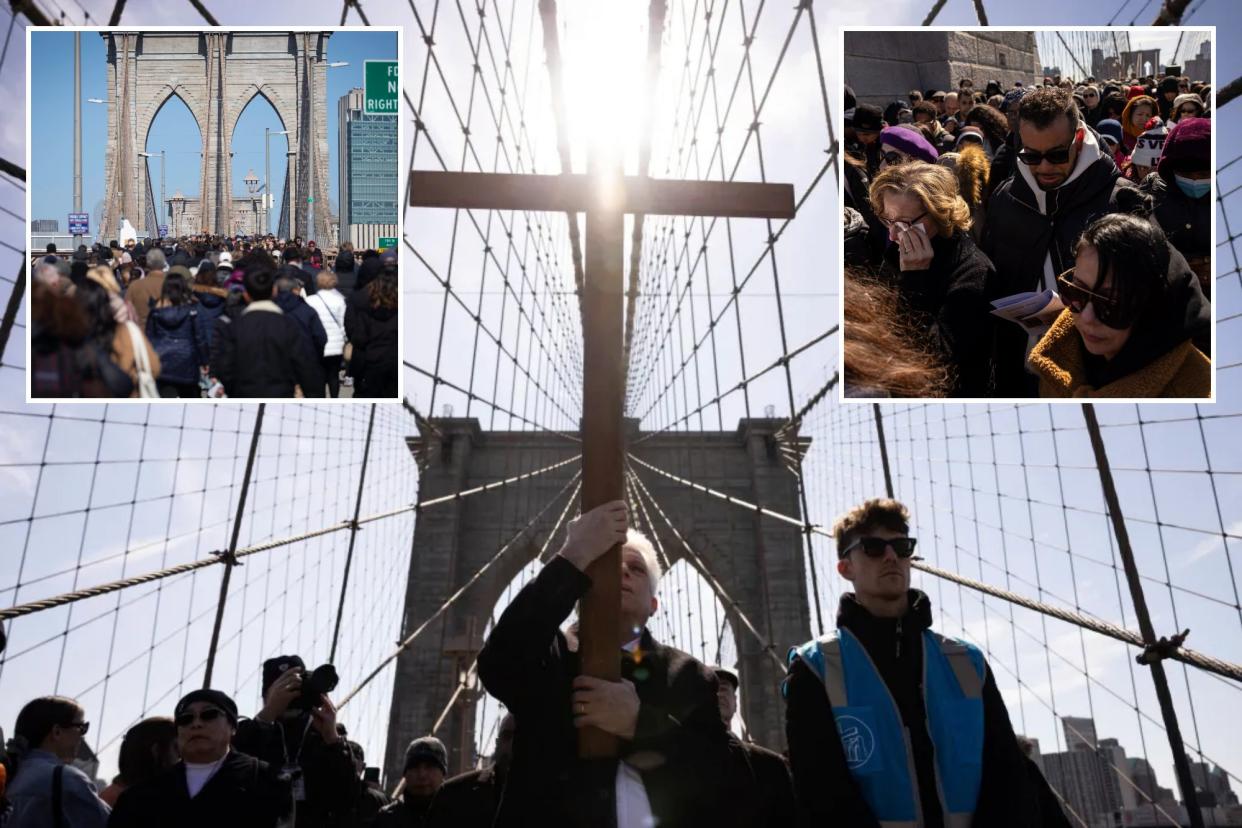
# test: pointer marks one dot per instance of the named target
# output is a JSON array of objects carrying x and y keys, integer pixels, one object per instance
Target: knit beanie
[
  {"x": 1190, "y": 140},
  {"x": 1149, "y": 147},
  {"x": 1189, "y": 97},
  {"x": 1110, "y": 128}
]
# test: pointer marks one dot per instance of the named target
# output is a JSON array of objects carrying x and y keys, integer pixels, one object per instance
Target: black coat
[
  {"x": 243, "y": 793},
  {"x": 872, "y": 236},
  {"x": 468, "y": 800},
  {"x": 373, "y": 332},
  {"x": 263, "y": 353},
  {"x": 176, "y": 334},
  {"x": 331, "y": 782},
  {"x": 1018, "y": 237},
  {"x": 828, "y": 795},
  {"x": 1186, "y": 221},
  {"x": 366, "y": 808},
  {"x": 680, "y": 744},
  {"x": 403, "y": 813},
  {"x": 759, "y": 788},
  {"x": 949, "y": 301},
  {"x": 296, "y": 308}
]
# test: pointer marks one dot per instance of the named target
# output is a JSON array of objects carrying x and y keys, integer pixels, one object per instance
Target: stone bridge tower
[
  {"x": 759, "y": 561},
  {"x": 216, "y": 74}
]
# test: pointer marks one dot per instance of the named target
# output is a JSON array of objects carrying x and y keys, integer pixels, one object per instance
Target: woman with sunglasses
[
  {"x": 904, "y": 143},
  {"x": 44, "y": 788},
  {"x": 1133, "y": 311},
  {"x": 936, "y": 267},
  {"x": 213, "y": 784}
]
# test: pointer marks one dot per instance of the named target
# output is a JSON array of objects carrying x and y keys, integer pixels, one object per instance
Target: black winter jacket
[
  {"x": 1186, "y": 221},
  {"x": 680, "y": 745},
  {"x": 176, "y": 334},
  {"x": 827, "y": 793},
  {"x": 374, "y": 334},
  {"x": 243, "y": 793},
  {"x": 263, "y": 353},
  {"x": 949, "y": 302},
  {"x": 468, "y": 800},
  {"x": 1018, "y": 237},
  {"x": 331, "y": 783}
]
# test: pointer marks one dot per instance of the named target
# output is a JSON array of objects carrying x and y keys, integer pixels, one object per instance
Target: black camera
[{"x": 321, "y": 680}]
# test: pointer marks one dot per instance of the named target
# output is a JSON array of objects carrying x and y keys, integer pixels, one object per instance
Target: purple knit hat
[
  {"x": 1189, "y": 140},
  {"x": 909, "y": 141}
]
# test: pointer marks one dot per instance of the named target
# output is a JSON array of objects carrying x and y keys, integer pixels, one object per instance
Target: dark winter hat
[
  {"x": 1168, "y": 84},
  {"x": 1110, "y": 128},
  {"x": 868, "y": 117},
  {"x": 274, "y": 667},
  {"x": 1013, "y": 96},
  {"x": 426, "y": 749},
  {"x": 909, "y": 141},
  {"x": 216, "y": 697},
  {"x": 725, "y": 674},
  {"x": 850, "y": 100},
  {"x": 1187, "y": 146}
]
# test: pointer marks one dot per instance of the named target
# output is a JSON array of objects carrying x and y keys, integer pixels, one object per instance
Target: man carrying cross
[{"x": 672, "y": 742}]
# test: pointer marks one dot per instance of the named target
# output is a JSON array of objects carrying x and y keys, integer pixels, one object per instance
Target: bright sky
[
  {"x": 946, "y": 476},
  {"x": 173, "y": 130}
]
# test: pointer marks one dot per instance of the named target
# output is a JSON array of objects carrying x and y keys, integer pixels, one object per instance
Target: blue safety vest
[{"x": 875, "y": 740}]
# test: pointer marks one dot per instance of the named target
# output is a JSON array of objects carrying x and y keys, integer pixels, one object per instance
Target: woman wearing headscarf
[
  {"x": 1134, "y": 119},
  {"x": 936, "y": 267},
  {"x": 1133, "y": 311}
]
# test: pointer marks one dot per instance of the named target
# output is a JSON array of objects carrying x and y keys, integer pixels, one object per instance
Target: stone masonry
[
  {"x": 883, "y": 66},
  {"x": 216, "y": 75},
  {"x": 759, "y": 561}
]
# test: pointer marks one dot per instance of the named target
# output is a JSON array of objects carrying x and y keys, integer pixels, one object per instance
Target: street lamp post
[
  {"x": 267, "y": 176},
  {"x": 162, "y": 158},
  {"x": 77, "y": 130}
]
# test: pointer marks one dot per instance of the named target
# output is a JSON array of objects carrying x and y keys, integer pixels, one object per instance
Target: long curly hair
[
  {"x": 383, "y": 291},
  {"x": 934, "y": 187},
  {"x": 884, "y": 351}
]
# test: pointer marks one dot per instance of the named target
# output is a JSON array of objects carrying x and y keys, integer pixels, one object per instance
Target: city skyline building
[{"x": 367, "y": 171}]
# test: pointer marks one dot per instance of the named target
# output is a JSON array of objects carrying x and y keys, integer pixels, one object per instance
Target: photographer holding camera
[{"x": 296, "y": 732}]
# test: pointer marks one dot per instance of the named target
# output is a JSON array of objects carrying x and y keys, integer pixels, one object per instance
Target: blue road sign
[{"x": 80, "y": 224}]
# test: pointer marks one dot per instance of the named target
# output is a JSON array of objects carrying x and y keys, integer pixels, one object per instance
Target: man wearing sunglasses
[
  {"x": 1064, "y": 180},
  {"x": 890, "y": 723},
  {"x": 212, "y": 785}
]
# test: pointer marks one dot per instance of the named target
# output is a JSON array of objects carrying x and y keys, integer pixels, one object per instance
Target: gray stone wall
[
  {"x": 884, "y": 66},
  {"x": 760, "y": 562}
]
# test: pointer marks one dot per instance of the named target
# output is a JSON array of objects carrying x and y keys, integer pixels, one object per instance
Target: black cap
[
  {"x": 216, "y": 697},
  {"x": 274, "y": 667},
  {"x": 725, "y": 674},
  {"x": 868, "y": 117}
]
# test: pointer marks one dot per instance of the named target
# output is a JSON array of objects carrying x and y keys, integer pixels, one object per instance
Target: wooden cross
[{"x": 605, "y": 200}]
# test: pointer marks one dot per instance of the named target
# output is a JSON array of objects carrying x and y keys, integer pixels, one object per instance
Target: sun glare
[{"x": 604, "y": 47}]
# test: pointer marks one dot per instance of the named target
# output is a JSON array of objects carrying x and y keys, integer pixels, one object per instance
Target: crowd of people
[
  {"x": 887, "y": 723},
  {"x": 1050, "y": 241},
  {"x": 209, "y": 316}
]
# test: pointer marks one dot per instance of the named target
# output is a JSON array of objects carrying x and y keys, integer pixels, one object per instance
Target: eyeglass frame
[
  {"x": 81, "y": 727},
  {"x": 198, "y": 716},
  {"x": 888, "y": 544},
  {"x": 1046, "y": 156},
  {"x": 889, "y": 224},
  {"x": 1106, "y": 311}
]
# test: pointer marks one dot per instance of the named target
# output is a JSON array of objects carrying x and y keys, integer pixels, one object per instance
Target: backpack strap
[{"x": 58, "y": 807}]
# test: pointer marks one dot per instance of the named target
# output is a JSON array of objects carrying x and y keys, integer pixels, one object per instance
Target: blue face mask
[{"x": 1193, "y": 188}]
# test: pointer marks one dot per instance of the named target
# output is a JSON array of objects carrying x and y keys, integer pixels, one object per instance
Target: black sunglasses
[
  {"x": 1032, "y": 158},
  {"x": 1076, "y": 298},
  {"x": 81, "y": 727},
  {"x": 207, "y": 714},
  {"x": 894, "y": 158},
  {"x": 875, "y": 547}
]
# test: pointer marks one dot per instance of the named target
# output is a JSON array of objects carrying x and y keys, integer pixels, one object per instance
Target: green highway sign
[
  {"x": 383, "y": 86},
  {"x": 387, "y": 242}
]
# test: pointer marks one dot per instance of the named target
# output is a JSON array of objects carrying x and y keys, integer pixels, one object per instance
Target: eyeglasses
[
  {"x": 1076, "y": 298},
  {"x": 894, "y": 158},
  {"x": 891, "y": 223},
  {"x": 207, "y": 714},
  {"x": 81, "y": 727},
  {"x": 1033, "y": 158},
  {"x": 875, "y": 547}
]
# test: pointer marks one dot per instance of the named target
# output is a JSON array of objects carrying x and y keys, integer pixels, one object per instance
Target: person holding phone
[
  {"x": 1132, "y": 310},
  {"x": 940, "y": 274}
]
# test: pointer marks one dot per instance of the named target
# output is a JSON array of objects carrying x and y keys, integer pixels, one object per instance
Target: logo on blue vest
[{"x": 857, "y": 740}]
